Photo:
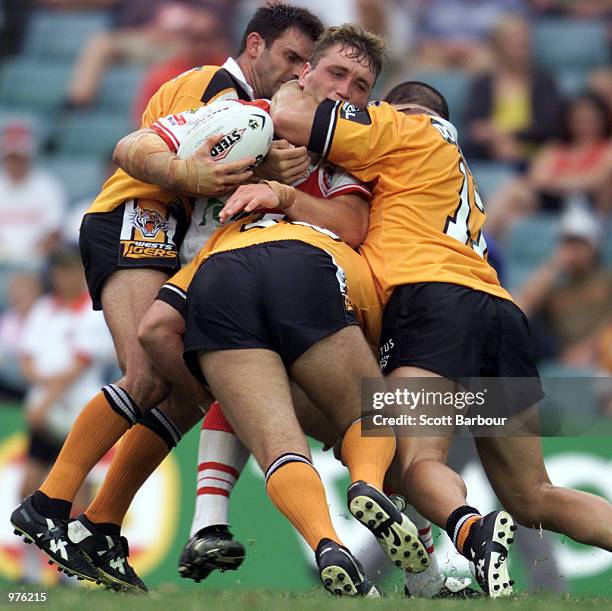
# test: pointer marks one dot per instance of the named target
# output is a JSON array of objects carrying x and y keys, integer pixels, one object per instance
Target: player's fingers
[
  {"x": 296, "y": 153},
  {"x": 301, "y": 167},
  {"x": 236, "y": 167},
  {"x": 281, "y": 144},
  {"x": 233, "y": 180},
  {"x": 209, "y": 144},
  {"x": 232, "y": 208}
]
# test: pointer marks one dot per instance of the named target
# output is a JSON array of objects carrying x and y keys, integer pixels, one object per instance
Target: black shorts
[
  {"x": 458, "y": 333},
  {"x": 283, "y": 296},
  {"x": 42, "y": 448},
  {"x": 130, "y": 236}
]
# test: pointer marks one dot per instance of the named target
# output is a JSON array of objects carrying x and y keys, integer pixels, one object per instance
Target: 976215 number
[{"x": 27, "y": 597}]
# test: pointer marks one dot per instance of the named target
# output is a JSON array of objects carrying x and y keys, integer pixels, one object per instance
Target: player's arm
[
  {"x": 293, "y": 112},
  {"x": 347, "y": 216},
  {"x": 146, "y": 156},
  {"x": 355, "y": 139}
]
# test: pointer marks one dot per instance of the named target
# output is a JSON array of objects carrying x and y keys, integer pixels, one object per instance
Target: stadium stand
[{"x": 59, "y": 35}]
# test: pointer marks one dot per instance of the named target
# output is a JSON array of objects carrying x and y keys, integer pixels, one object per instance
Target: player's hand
[
  {"x": 201, "y": 175},
  {"x": 284, "y": 163},
  {"x": 249, "y": 198}
]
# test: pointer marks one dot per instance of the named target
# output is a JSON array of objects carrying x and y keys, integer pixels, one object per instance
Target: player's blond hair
[{"x": 367, "y": 48}]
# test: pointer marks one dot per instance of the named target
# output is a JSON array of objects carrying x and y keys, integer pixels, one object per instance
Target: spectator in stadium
[
  {"x": 513, "y": 106},
  {"x": 32, "y": 201},
  {"x": 453, "y": 32},
  {"x": 579, "y": 163},
  {"x": 23, "y": 288},
  {"x": 569, "y": 296},
  {"x": 203, "y": 41},
  {"x": 64, "y": 347},
  {"x": 140, "y": 32}
]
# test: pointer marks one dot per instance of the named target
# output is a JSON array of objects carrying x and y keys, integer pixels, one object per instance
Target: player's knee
[{"x": 145, "y": 387}]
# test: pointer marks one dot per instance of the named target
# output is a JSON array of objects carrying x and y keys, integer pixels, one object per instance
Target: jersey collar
[{"x": 231, "y": 65}]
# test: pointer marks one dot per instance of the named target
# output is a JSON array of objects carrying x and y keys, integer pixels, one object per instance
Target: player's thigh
[
  {"x": 331, "y": 372},
  {"x": 253, "y": 388},
  {"x": 126, "y": 297}
]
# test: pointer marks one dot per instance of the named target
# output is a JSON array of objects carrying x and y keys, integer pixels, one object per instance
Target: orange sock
[
  {"x": 93, "y": 433},
  {"x": 297, "y": 491},
  {"x": 367, "y": 458},
  {"x": 464, "y": 531},
  {"x": 140, "y": 452}
]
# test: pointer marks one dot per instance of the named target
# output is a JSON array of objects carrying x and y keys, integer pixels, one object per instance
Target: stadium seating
[
  {"x": 452, "y": 85},
  {"x": 580, "y": 44},
  {"x": 33, "y": 84},
  {"x": 81, "y": 177},
  {"x": 490, "y": 176},
  {"x": 119, "y": 89},
  {"x": 59, "y": 35},
  {"x": 529, "y": 244},
  {"x": 91, "y": 133}
]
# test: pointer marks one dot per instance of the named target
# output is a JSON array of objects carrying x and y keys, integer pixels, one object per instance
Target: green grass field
[{"x": 173, "y": 598}]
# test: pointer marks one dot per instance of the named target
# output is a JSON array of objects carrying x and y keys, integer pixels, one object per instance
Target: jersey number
[{"x": 457, "y": 225}]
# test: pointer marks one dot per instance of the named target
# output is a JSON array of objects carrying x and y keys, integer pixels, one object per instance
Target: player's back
[{"x": 426, "y": 217}]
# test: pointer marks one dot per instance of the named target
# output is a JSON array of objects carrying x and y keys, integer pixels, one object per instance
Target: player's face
[
  {"x": 282, "y": 61},
  {"x": 338, "y": 76}
]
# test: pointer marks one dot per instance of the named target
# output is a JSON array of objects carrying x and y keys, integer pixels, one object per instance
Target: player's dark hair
[
  {"x": 415, "y": 92},
  {"x": 366, "y": 47},
  {"x": 272, "y": 20}
]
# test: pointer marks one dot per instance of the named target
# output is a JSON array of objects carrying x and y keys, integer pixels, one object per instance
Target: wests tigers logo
[{"x": 150, "y": 222}]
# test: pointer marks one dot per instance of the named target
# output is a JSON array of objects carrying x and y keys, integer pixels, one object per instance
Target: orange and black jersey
[
  {"x": 255, "y": 230},
  {"x": 187, "y": 91},
  {"x": 426, "y": 216}
]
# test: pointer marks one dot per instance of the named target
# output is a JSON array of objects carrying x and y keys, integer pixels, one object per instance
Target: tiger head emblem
[{"x": 150, "y": 222}]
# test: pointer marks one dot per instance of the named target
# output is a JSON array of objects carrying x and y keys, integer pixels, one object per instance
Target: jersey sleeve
[
  {"x": 192, "y": 89},
  {"x": 173, "y": 128},
  {"x": 351, "y": 137}
]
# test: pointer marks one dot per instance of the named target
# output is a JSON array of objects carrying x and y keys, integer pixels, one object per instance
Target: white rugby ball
[{"x": 246, "y": 131}]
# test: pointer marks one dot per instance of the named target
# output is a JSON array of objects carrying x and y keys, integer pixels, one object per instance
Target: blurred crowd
[{"x": 529, "y": 85}]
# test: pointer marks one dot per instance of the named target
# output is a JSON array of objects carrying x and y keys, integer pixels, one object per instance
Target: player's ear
[
  {"x": 305, "y": 70},
  {"x": 255, "y": 44}
]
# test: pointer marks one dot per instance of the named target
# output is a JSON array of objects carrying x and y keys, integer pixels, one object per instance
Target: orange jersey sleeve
[{"x": 427, "y": 215}]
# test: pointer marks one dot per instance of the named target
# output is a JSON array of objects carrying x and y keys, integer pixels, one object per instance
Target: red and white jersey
[
  {"x": 324, "y": 180},
  {"x": 57, "y": 335}
]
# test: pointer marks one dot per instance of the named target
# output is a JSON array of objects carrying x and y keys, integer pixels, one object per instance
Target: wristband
[{"x": 286, "y": 194}]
